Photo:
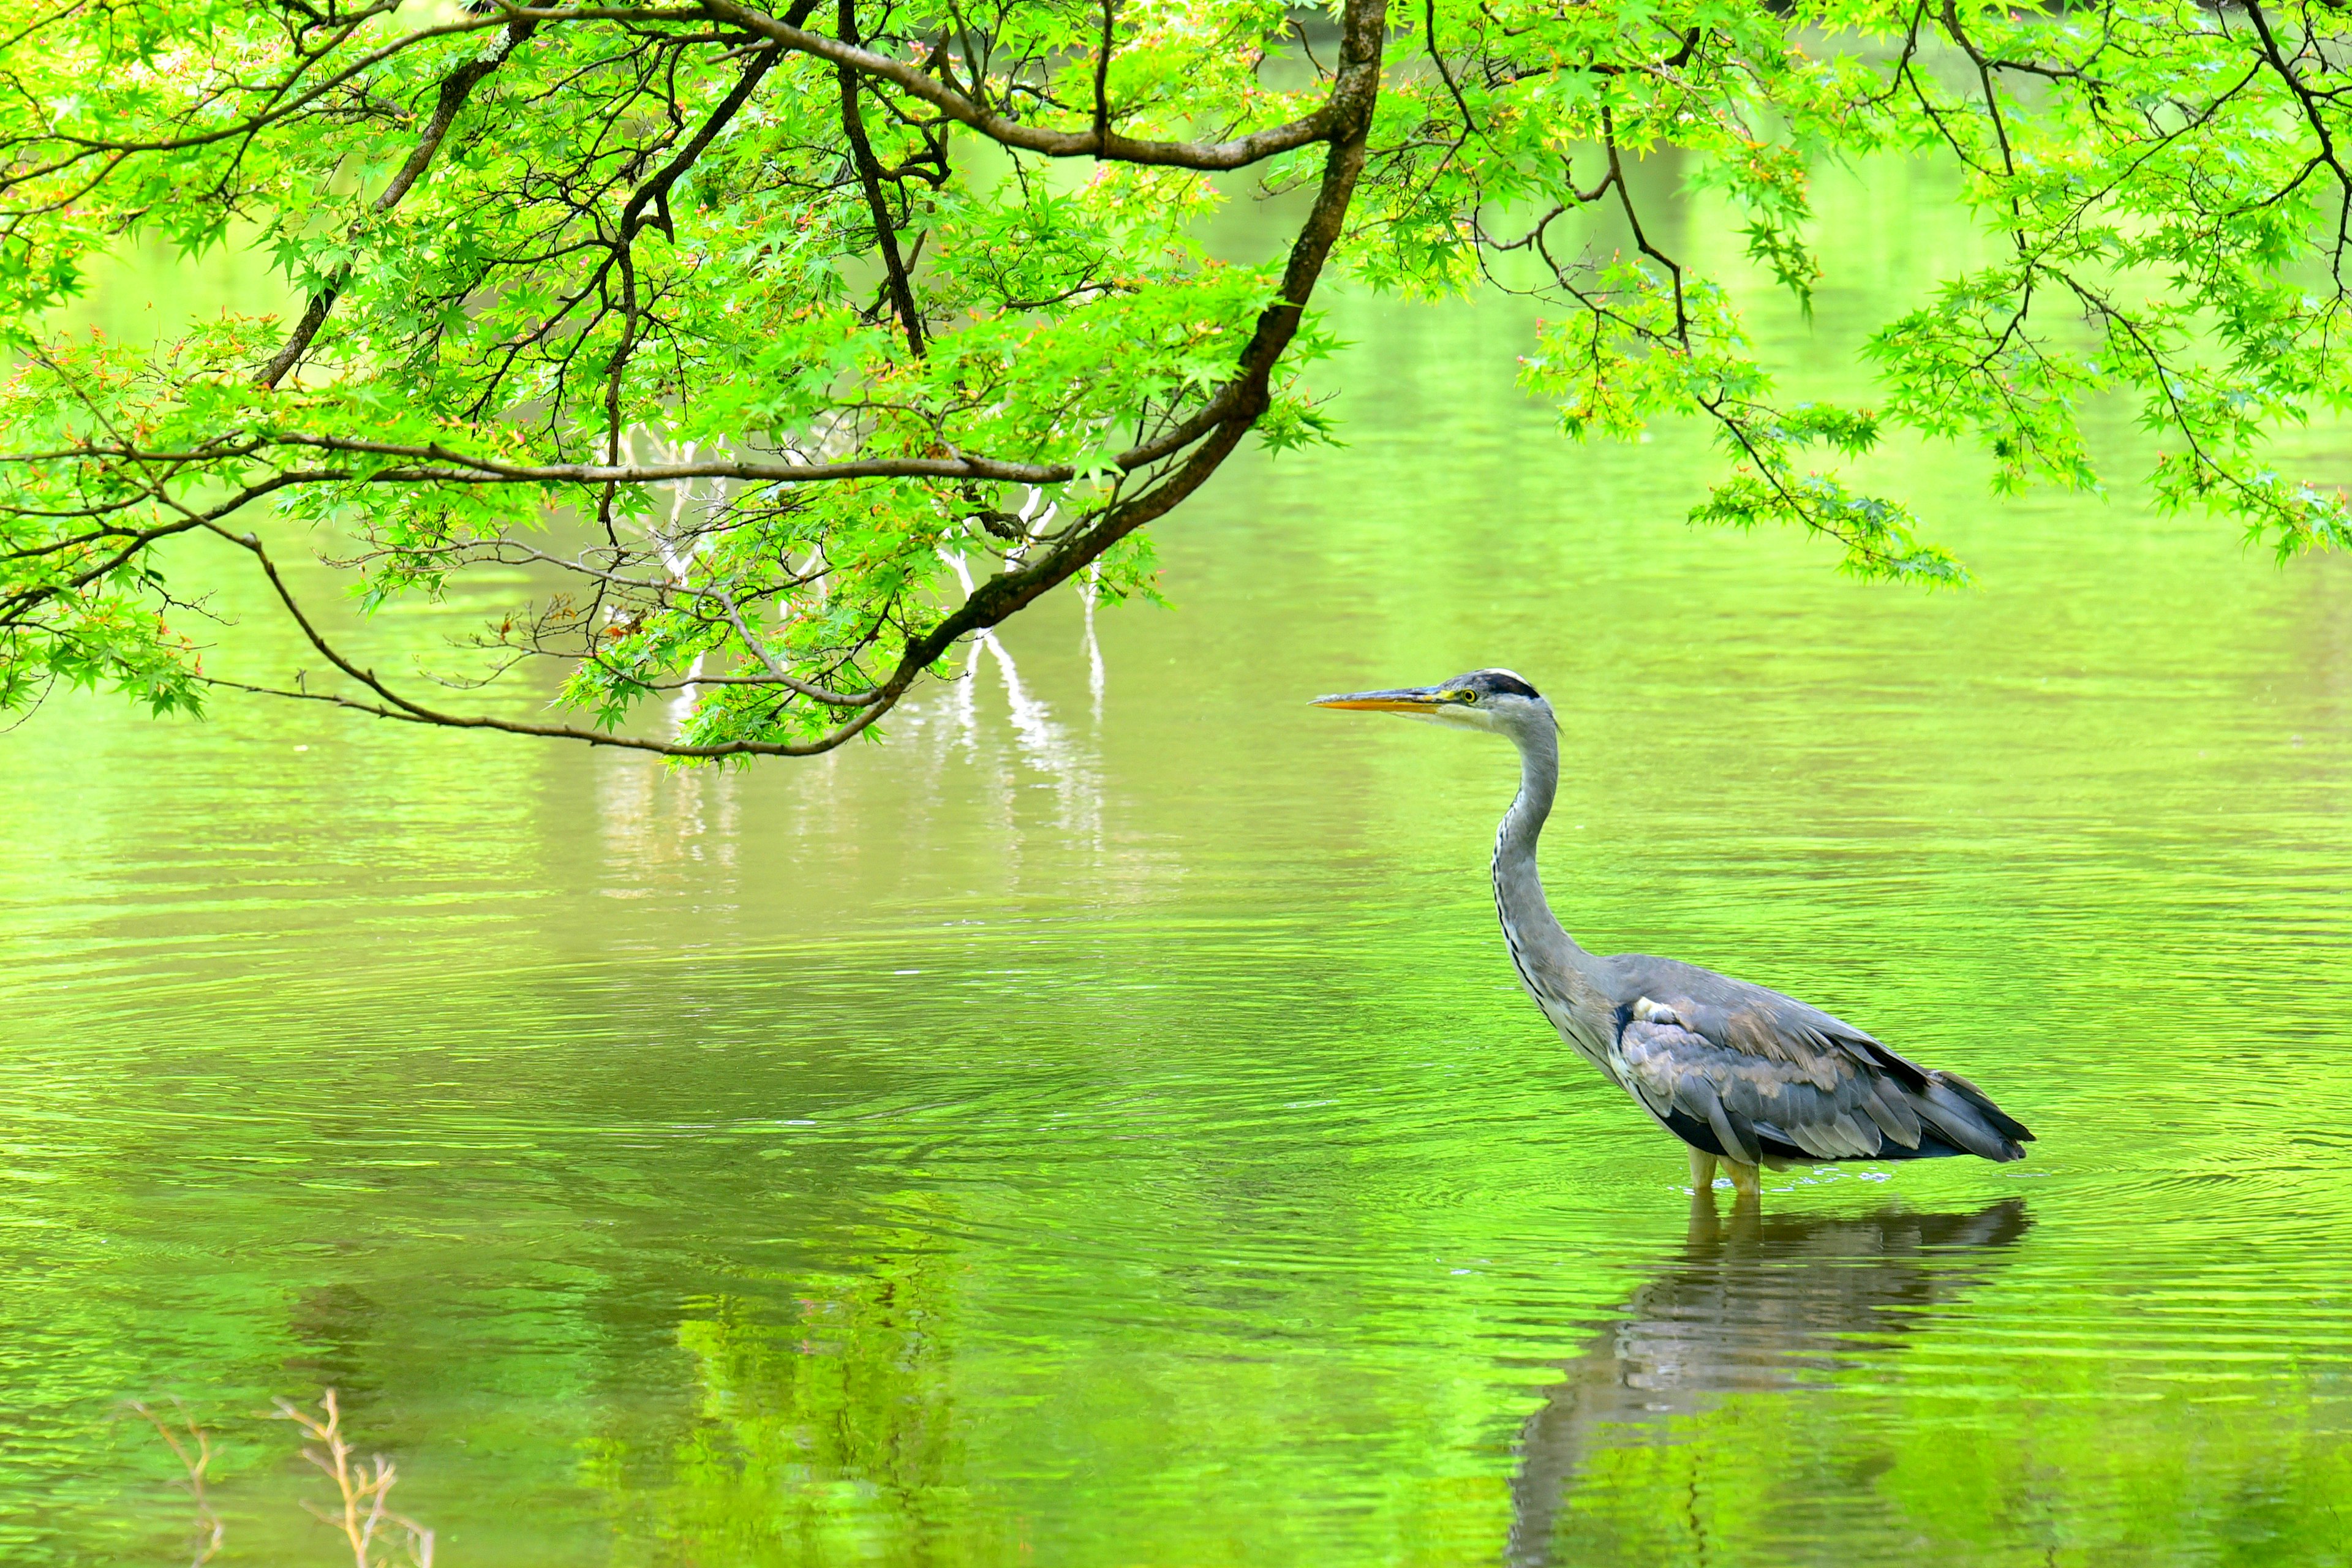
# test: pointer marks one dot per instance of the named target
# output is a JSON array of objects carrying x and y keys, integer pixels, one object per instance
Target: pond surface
[{"x": 1099, "y": 1126}]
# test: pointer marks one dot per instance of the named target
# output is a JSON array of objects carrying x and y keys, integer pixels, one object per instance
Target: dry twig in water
[
  {"x": 364, "y": 1488},
  {"x": 193, "y": 1448}
]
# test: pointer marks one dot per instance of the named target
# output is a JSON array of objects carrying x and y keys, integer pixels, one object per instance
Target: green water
[{"x": 1100, "y": 1126}]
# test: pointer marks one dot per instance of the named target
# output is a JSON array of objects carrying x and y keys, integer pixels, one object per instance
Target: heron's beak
[{"x": 1404, "y": 699}]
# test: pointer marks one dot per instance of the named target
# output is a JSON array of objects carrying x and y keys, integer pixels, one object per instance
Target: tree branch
[
  {"x": 1229, "y": 416},
  {"x": 456, "y": 87},
  {"x": 395, "y": 706},
  {"x": 869, "y": 176},
  {"x": 1238, "y": 153}
]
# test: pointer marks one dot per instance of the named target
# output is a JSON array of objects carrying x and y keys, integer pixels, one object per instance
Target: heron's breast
[
  {"x": 1584, "y": 1035},
  {"x": 1576, "y": 1029}
]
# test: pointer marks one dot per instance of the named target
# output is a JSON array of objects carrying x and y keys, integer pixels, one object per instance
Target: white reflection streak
[
  {"x": 676, "y": 559},
  {"x": 1042, "y": 741},
  {"x": 1037, "y": 522},
  {"x": 967, "y": 716},
  {"x": 1087, "y": 595},
  {"x": 1040, "y": 736}
]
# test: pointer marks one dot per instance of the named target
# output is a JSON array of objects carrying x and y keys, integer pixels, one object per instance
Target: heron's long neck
[{"x": 1535, "y": 935}]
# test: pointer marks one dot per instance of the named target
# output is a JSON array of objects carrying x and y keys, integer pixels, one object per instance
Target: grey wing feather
[{"x": 1773, "y": 1079}]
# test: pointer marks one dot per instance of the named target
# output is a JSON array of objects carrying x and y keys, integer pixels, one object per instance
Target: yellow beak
[{"x": 1406, "y": 700}]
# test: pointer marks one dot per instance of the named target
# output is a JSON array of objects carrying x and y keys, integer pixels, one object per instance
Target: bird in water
[{"x": 1739, "y": 1073}]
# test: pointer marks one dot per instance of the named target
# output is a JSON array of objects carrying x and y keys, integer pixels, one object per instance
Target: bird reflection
[{"x": 1755, "y": 1304}]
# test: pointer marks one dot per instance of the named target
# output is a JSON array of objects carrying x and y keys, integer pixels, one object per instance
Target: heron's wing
[{"x": 1764, "y": 1077}]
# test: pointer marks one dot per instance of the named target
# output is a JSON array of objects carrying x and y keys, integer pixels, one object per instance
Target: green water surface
[{"x": 1101, "y": 1127}]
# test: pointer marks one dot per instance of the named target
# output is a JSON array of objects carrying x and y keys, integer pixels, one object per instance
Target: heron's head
[{"x": 1495, "y": 700}]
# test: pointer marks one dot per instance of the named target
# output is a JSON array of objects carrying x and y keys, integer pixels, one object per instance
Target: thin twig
[{"x": 195, "y": 1457}]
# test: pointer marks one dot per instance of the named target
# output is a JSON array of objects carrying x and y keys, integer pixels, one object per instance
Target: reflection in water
[
  {"x": 1043, "y": 743},
  {"x": 828, "y": 1436},
  {"x": 1753, "y": 1305},
  {"x": 681, "y": 537},
  {"x": 1089, "y": 593}
]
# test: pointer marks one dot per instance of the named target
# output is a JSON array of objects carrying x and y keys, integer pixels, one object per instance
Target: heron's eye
[{"x": 1465, "y": 697}]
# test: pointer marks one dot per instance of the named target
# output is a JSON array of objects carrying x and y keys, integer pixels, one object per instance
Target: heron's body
[{"x": 1736, "y": 1071}]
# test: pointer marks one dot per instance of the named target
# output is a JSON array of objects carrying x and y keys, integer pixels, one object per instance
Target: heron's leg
[
  {"x": 1744, "y": 1179},
  {"x": 1702, "y": 1170}
]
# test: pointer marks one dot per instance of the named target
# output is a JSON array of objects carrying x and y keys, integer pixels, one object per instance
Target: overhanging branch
[
  {"x": 1097, "y": 142},
  {"x": 1343, "y": 122}
]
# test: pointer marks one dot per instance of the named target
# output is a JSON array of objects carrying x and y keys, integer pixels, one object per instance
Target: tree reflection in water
[{"x": 1756, "y": 1304}]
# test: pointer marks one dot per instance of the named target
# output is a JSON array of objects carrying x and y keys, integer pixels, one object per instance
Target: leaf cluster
[{"x": 756, "y": 335}]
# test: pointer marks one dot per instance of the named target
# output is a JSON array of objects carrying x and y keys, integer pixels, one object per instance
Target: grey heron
[{"x": 1739, "y": 1073}]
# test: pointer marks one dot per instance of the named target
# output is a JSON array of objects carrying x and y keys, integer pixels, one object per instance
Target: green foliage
[{"x": 757, "y": 332}]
